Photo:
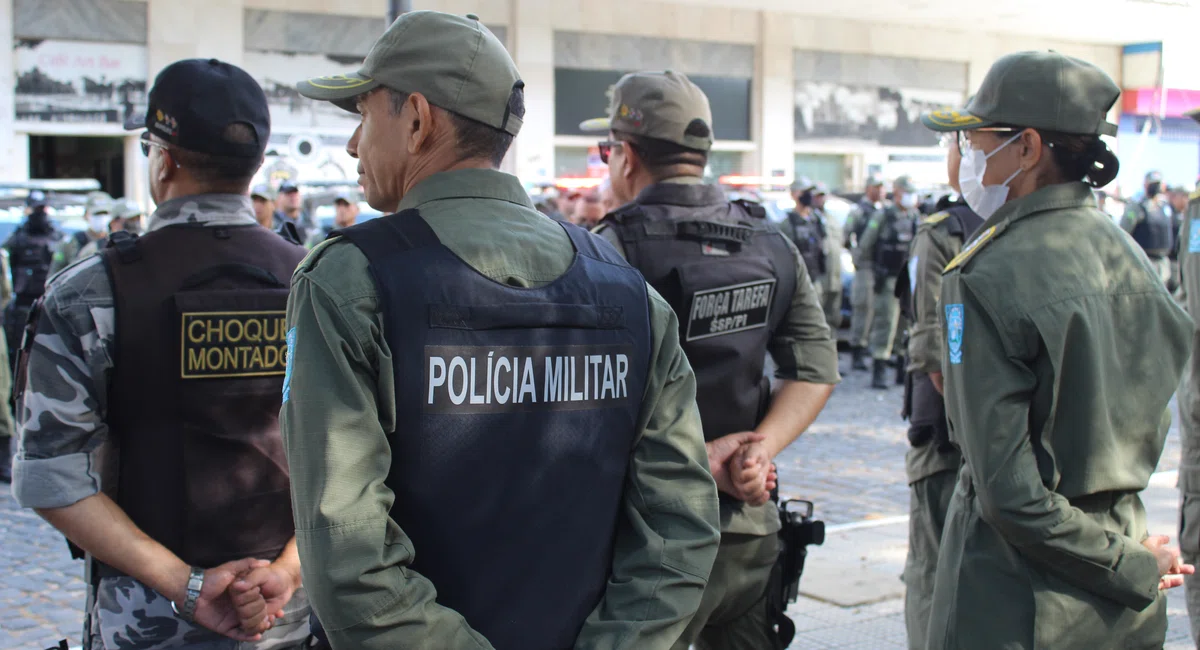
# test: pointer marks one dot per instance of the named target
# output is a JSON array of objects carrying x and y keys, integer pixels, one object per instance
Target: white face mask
[
  {"x": 983, "y": 199},
  {"x": 97, "y": 223},
  {"x": 909, "y": 201}
]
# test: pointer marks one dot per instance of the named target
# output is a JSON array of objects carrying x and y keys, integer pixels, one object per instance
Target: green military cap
[
  {"x": 905, "y": 183},
  {"x": 98, "y": 203},
  {"x": 126, "y": 209},
  {"x": 454, "y": 61},
  {"x": 660, "y": 105},
  {"x": 1040, "y": 90},
  {"x": 802, "y": 184},
  {"x": 1153, "y": 176},
  {"x": 875, "y": 180},
  {"x": 262, "y": 191}
]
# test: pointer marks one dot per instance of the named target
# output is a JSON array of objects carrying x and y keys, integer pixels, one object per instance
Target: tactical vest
[
  {"x": 860, "y": 225},
  {"x": 1154, "y": 232},
  {"x": 925, "y": 407},
  {"x": 197, "y": 459},
  {"x": 809, "y": 237},
  {"x": 29, "y": 255},
  {"x": 729, "y": 276},
  {"x": 516, "y": 412},
  {"x": 895, "y": 238}
]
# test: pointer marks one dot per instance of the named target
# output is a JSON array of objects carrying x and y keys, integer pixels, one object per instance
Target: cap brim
[
  {"x": 596, "y": 125},
  {"x": 340, "y": 90},
  {"x": 953, "y": 120}
]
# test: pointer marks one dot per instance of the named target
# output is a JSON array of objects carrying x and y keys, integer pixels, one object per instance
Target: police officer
[
  {"x": 740, "y": 290},
  {"x": 863, "y": 291},
  {"x": 291, "y": 211},
  {"x": 820, "y": 244},
  {"x": 7, "y": 449},
  {"x": 127, "y": 216},
  {"x": 30, "y": 251},
  {"x": 1062, "y": 351},
  {"x": 932, "y": 462},
  {"x": 151, "y": 380},
  {"x": 1189, "y": 403},
  {"x": 495, "y": 422},
  {"x": 96, "y": 214},
  {"x": 345, "y": 214},
  {"x": 885, "y": 246},
  {"x": 1149, "y": 221}
]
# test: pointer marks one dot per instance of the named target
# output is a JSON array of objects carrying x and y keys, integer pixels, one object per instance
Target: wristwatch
[{"x": 195, "y": 583}]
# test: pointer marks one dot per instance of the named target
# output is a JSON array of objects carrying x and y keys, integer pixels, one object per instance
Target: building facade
[{"x": 829, "y": 92}]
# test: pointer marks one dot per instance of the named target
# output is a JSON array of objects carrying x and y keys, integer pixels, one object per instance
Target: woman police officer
[{"x": 1062, "y": 349}]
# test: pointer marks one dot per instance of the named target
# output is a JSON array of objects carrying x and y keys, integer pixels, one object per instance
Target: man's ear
[{"x": 421, "y": 121}]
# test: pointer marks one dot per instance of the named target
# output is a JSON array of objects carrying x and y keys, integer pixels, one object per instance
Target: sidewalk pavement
[{"x": 852, "y": 595}]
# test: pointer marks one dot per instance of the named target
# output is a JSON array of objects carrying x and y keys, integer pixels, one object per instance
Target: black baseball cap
[
  {"x": 288, "y": 188},
  {"x": 36, "y": 199},
  {"x": 194, "y": 100}
]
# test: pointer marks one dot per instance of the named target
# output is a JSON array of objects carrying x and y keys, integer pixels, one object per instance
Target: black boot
[
  {"x": 6, "y": 459},
  {"x": 879, "y": 375},
  {"x": 859, "y": 361}
]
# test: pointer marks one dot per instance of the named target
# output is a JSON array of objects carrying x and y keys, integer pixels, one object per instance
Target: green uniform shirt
[
  {"x": 932, "y": 250},
  {"x": 340, "y": 409},
  {"x": 803, "y": 350},
  {"x": 1189, "y": 392},
  {"x": 1062, "y": 351}
]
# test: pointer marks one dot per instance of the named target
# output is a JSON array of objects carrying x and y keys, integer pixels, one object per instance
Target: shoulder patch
[
  {"x": 976, "y": 244},
  {"x": 936, "y": 218}
]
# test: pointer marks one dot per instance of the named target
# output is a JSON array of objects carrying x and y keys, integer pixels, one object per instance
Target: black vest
[
  {"x": 729, "y": 276},
  {"x": 926, "y": 407},
  {"x": 29, "y": 255},
  {"x": 516, "y": 413},
  {"x": 809, "y": 237},
  {"x": 867, "y": 209},
  {"x": 895, "y": 238},
  {"x": 1154, "y": 232},
  {"x": 197, "y": 458}
]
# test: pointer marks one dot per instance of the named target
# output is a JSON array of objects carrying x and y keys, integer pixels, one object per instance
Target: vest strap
[{"x": 126, "y": 244}]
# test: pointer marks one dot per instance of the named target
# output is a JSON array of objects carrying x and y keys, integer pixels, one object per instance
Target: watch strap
[{"x": 194, "y": 585}]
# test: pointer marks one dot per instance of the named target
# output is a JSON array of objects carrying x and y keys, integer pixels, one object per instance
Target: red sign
[{"x": 1148, "y": 101}]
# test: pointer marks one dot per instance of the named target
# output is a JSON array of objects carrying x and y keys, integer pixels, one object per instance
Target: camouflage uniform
[
  {"x": 63, "y": 431},
  {"x": 6, "y": 420}
]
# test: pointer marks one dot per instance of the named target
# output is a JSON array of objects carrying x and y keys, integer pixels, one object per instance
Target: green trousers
[
  {"x": 886, "y": 318},
  {"x": 831, "y": 302},
  {"x": 929, "y": 499},
  {"x": 862, "y": 301},
  {"x": 733, "y": 612},
  {"x": 6, "y": 387},
  {"x": 1189, "y": 484}
]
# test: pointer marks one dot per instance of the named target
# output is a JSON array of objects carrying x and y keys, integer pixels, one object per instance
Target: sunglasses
[
  {"x": 606, "y": 147},
  {"x": 146, "y": 143}
]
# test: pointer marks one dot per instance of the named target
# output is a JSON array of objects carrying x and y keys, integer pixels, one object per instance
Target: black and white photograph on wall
[
  {"x": 887, "y": 116},
  {"x": 76, "y": 81}
]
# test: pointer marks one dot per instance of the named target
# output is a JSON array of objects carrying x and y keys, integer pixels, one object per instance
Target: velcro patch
[
  {"x": 216, "y": 345},
  {"x": 481, "y": 379},
  {"x": 726, "y": 310}
]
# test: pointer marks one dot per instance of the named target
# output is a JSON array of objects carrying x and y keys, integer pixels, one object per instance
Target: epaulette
[
  {"x": 313, "y": 255},
  {"x": 971, "y": 248},
  {"x": 936, "y": 218}
]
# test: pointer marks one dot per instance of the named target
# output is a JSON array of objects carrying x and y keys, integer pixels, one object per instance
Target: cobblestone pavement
[{"x": 850, "y": 463}]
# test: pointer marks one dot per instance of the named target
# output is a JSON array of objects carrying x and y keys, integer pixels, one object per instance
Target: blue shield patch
[
  {"x": 1194, "y": 236},
  {"x": 954, "y": 332},
  {"x": 287, "y": 372}
]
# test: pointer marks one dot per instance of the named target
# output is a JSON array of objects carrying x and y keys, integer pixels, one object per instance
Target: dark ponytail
[{"x": 1082, "y": 158}]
